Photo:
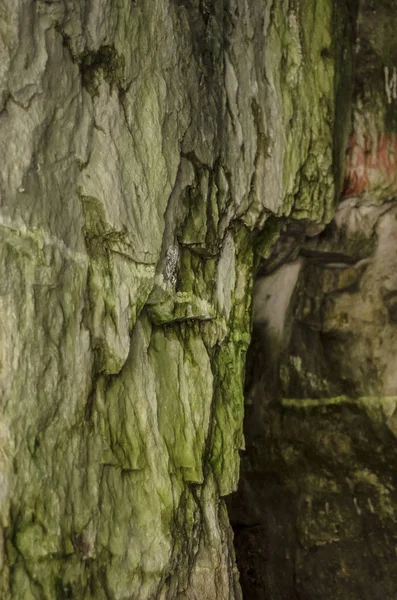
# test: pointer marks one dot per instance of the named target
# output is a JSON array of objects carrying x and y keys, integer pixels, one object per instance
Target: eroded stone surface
[{"x": 144, "y": 147}]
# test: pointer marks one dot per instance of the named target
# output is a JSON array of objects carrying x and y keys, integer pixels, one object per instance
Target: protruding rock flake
[
  {"x": 171, "y": 264},
  {"x": 391, "y": 84}
]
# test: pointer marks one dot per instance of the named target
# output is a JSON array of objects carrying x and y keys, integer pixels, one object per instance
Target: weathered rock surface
[
  {"x": 316, "y": 511},
  {"x": 144, "y": 147}
]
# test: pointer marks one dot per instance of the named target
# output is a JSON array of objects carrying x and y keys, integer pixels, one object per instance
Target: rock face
[
  {"x": 315, "y": 515},
  {"x": 150, "y": 153}
]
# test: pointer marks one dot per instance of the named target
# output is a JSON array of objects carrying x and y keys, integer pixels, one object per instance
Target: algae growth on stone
[{"x": 148, "y": 148}]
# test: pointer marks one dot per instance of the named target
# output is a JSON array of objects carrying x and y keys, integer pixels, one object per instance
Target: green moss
[
  {"x": 131, "y": 427},
  {"x": 301, "y": 41},
  {"x": 228, "y": 365},
  {"x": 181, "y": 307},
  {"x": 184, "y": 380},
  {"x": 377, "y": 407},
  {"x": 227, "y": 436}
]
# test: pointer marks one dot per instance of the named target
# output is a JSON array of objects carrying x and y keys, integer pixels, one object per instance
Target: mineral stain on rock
[{"x": 372, "y": 163}]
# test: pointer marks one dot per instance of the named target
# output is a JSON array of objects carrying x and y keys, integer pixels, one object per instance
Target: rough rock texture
[
  {"x": 144, "y": 147},
  {"x": 316, "y": 512}
]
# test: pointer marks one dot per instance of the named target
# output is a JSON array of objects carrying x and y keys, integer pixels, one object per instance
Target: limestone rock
[{"x": 130, "y": 128}]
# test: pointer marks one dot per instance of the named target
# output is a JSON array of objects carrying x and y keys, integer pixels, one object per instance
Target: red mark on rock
[{"x": 371, "y": 164}]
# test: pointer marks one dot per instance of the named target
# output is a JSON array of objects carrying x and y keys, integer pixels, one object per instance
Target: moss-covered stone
[{"x": 149, "y": 144}]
